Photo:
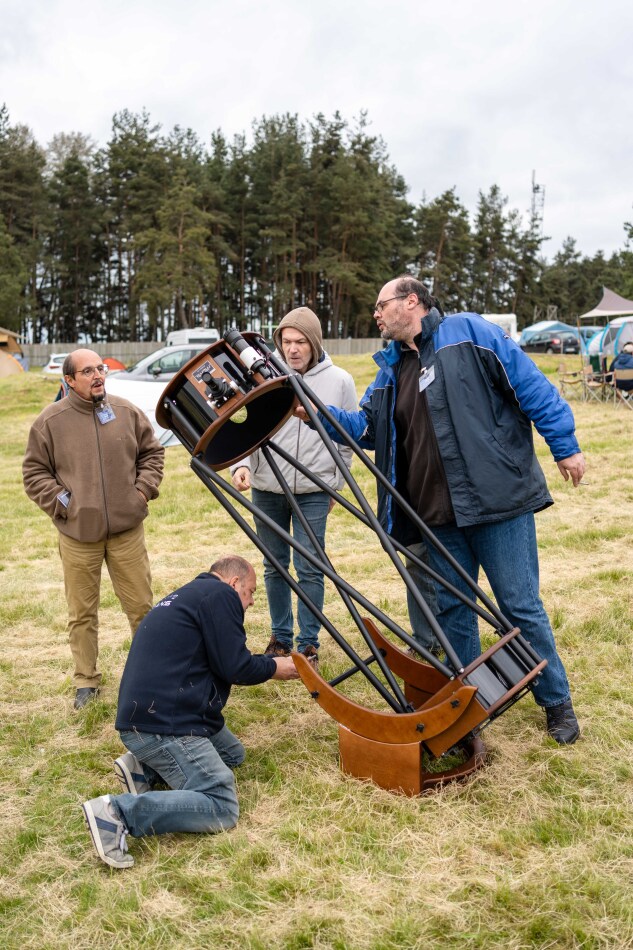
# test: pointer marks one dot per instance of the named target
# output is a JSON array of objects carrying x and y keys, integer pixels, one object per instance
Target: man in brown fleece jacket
[{"x": 92, "y": 463}]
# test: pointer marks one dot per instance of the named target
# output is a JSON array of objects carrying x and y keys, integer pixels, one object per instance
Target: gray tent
[{"x": 611, "y": 305}]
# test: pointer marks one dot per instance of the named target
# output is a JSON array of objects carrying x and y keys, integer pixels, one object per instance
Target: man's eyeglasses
[
  {"x": 381, "y": 304},
  {"x": 91, "y": 371}
]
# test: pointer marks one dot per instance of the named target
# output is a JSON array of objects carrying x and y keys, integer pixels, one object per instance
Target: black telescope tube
[
  {"x": 302, "y": 394},
  {"x": 351, "y": 606},
  {"x": 206, "y": 474},
  {"x": 213, "y": 482},
  {"x": 402, "y": 548},
  {"x": 200, "y": 466}
]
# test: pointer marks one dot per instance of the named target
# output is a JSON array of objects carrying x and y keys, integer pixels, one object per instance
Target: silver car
[{"x": 163, "y": 364}]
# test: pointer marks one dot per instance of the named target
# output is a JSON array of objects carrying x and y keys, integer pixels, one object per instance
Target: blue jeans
[
  {"x": 420, "y": 628},
  {"x": 315, "y": 506},
  {"x": 508, "y": 554},
  {"x": 199, "y": 772}
]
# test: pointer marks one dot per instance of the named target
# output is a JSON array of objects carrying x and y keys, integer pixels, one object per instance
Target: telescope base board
[{"x": 398, "y": 767}]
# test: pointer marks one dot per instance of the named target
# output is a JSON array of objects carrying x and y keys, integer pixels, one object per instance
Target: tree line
[{"x": 154, "y": 232}]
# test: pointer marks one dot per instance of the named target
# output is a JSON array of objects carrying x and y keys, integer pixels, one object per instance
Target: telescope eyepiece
[{"x": 219, "y": 388}]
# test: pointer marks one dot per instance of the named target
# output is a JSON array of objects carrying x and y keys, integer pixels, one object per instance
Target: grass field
[{"x": 535, "y": 852}]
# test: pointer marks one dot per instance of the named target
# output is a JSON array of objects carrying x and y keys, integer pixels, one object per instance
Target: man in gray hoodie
[{"x": 299, "y": 340}]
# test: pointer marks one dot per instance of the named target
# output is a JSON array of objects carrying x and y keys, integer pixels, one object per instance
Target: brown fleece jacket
[{"x": 101, "y": 465}]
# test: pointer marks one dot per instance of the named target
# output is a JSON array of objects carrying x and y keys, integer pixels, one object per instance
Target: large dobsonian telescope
[{"x": 230, "y": 400}]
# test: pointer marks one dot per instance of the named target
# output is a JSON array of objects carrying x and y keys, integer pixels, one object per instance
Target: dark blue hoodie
[{"x": 187, "y": 653}]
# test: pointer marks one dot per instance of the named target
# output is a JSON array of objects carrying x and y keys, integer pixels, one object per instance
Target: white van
[
  {"x": 507, "y": 322},
  {"x": 208, "y": 335}
]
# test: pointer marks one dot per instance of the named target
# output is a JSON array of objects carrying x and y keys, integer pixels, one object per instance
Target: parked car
[
  {"x": 144, "y": 394},
  {"x": 552, "y": 341},
  {"x": 162, "y": 364},
  {"x": 54, "y": 365}
]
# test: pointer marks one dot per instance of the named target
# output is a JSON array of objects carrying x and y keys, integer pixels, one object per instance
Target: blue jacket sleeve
[
  {"x": 358, "y": 423},
  {"x": 519, "y": 379}
]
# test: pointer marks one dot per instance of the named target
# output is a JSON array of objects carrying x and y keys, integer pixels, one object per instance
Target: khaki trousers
[{"x": 126, "y": 558}]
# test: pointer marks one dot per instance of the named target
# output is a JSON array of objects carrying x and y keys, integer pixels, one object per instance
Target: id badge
[
  {"x": 105, "y": 414},
  {"x": 426, "y": 378}
]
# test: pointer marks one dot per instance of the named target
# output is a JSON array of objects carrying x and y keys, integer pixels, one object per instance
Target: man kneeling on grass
[{"x": 187, "y": 653}]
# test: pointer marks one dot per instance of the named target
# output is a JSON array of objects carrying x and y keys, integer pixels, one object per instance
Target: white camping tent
[{"x": 611, "y": 340}]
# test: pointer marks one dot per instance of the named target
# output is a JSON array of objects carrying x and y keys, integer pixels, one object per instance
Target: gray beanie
[{"x": 307, "y": 322}]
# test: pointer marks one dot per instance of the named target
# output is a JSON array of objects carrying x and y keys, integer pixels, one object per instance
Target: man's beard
[{"x": 98, "y": 399}]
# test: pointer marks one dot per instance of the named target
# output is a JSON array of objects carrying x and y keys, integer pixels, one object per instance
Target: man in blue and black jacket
[
  {"x": 187, "y": 653},
  {"x": 450, "y": 417}
]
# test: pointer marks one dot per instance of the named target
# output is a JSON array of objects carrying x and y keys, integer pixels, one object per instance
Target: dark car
[{"x": 552, "y": 341}]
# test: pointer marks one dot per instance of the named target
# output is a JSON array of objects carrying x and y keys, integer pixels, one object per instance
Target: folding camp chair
[
  {"x": 593, "y": 385},
  {"x": 622, "y": 397},
  {"x": 569, "y": 382},
  {"x": 588, "y": 384}
]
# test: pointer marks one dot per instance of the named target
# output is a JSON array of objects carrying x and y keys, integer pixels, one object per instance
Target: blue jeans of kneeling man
[
  {"x": 199, "y": 772},
  {"x": 507, "y": 552},
  {"x": 314, "y": 506}
]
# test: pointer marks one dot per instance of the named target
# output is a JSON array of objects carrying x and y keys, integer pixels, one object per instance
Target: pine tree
[
  {"x": 176, "y": 268},
  {"x": 445, "y": 250},
  {"x": 74, "y": 249},
  {"x": 24, "y": 209}
]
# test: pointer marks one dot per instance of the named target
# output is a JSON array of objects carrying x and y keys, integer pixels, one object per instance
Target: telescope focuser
[{"x": 252, "y": 360}]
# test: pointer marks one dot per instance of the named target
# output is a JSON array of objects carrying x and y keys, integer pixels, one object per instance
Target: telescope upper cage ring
[{"x": 194, "y": 410}]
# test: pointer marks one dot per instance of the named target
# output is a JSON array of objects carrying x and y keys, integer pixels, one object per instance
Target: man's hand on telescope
[
  {"x": 286, "y": 670},
  {"x": 300, "y": 413},
  {"x": 241, "y": 478}
]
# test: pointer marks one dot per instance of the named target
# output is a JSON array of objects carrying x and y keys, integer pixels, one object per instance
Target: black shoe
[
  {"x": 277, "y": 648},
  {"x": 84, "y": 696},
  {"x": 562, "y": 724}
]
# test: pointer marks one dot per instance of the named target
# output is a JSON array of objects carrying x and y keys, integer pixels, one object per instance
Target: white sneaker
[
  {"x": 129, "y": 772},
  {"x": 108, "y": 832}
]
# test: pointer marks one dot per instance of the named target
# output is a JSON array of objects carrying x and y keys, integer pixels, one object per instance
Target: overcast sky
[{"x": 464, "y": 93}]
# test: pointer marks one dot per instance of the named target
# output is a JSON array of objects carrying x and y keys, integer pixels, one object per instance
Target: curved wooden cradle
[
  {"x": 386, "y": 726},
  {"x": 387, "y": 748}
]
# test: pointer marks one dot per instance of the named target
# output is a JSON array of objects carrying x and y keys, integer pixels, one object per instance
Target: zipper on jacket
[
  {"x": 103, "y": 491},
  {"x": 294, "y": 490}
]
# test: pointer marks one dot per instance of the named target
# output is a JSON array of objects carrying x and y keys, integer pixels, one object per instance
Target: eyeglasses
[
  {"x": 91, "y": 371},
  {"x": 381, "y": 304}
]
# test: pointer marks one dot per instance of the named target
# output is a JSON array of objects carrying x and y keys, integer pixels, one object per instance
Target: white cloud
[{"x": 464, "y": 94}]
